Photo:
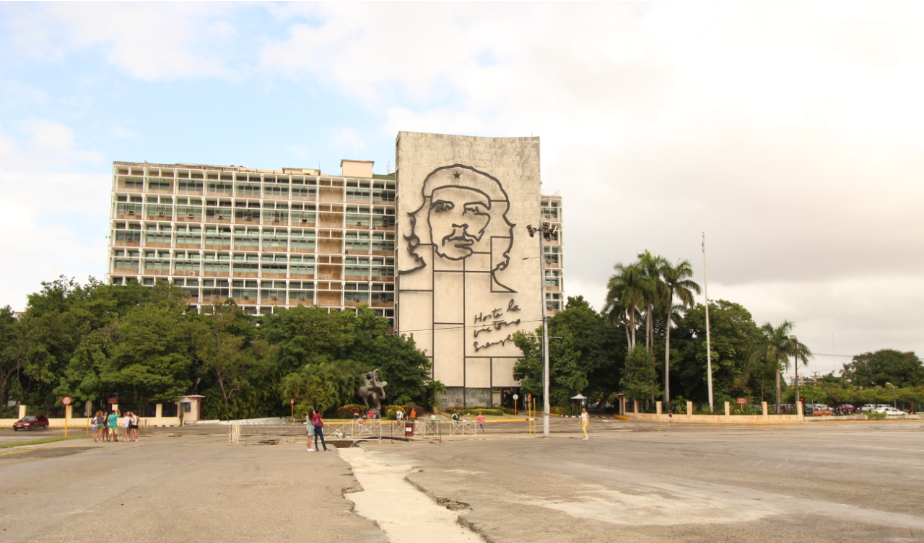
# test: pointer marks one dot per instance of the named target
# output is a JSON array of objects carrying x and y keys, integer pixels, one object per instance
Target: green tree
[
  {"x": 676, "y": 279},
  {"x": 625, "y": 292},
  {"x": 322, "y": 386},
  {"x": 773, "y": 347},
  {"x": 639, "y": 378},
  {"x": 885, "y": 366},
  {"x": 733, "y": 334},
  {"x": 582, "y": 359},
  {"x": 234, "y": 359}
]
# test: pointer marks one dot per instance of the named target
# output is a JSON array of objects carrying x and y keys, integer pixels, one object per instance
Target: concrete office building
[{"x": 279, "y": 238}]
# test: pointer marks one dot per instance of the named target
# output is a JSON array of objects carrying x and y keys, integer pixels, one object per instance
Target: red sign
[
  {"x": 742, "y": 400},
  {"x": 66, "y": 400},
  {"x": 113, "y": 400}
]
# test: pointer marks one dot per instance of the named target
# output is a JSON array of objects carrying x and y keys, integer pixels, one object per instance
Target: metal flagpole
[{"x": 708, "y": 341}]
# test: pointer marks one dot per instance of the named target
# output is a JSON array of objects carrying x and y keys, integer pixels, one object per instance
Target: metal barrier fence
[{"x": 275, "y": 431}]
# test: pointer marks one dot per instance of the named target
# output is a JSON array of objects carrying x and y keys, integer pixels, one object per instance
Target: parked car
[
  {"x": 816, "y": 409},
  {"x": 31, "y": 422},
  {"x": 872, "y": 407},
  {"x": 890, "y": 411},
  {"x": 845, "y": 410}
]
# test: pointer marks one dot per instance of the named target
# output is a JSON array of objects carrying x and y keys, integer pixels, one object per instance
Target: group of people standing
[{"x": 106, "y": 427}]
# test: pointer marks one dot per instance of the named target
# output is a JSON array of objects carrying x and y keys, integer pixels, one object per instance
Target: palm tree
[
  {"x": 654, "y": 290},
  {"x": 676, "y": 280},
  {"x": 799, "y": 351},
  {"x": 625, "y": 292},
  {"x": 774, "y": 347}
]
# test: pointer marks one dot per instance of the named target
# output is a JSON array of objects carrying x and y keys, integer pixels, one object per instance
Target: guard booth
[{"x": 190, "y": 407}]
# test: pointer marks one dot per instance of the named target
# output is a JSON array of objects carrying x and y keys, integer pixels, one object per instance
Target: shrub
[
  {"x": 876, "y": 416},
  {"x": 390, "y": 411},
  {"x": 557, "y": 410},
  {"x": 346, "y": 412},
  {"x": 484, "y": 411}
]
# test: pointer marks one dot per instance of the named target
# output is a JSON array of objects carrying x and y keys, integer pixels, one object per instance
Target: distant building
[{"x": 297, "y": 236}]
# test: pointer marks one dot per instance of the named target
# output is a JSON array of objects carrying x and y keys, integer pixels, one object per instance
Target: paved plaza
[{"x": 631, "y": 481}]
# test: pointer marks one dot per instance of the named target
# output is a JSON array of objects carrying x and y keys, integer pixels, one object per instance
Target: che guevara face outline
[{"x": 458, "y": 218}]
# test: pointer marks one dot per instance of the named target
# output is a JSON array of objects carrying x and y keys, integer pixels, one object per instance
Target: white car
[
  {"x": 872, "y": 407},
  {"x": 889, "y": 411}
]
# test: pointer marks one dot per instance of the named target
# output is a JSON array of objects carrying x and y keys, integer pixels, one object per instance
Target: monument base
[{"x": 459, "y": 397}]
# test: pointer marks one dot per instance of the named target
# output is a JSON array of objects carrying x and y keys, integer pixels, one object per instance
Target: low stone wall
[
  {"x": 718, "y": 419},
  {"x": 727, "y": 418},
  {"x": 82, "y": 422}
]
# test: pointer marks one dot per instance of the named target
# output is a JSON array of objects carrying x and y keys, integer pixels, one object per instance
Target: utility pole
[{"x": 708, "y": 340}]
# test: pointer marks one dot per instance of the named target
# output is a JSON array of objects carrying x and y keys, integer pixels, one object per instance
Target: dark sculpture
[{"x": 372, "y": 391}]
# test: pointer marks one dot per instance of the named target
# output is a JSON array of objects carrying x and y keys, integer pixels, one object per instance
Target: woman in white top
[{"x": 585, "y": 420}]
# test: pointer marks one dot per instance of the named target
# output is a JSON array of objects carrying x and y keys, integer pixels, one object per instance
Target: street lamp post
[
  {"x": 894, "y": 396},
  {"x": 546, "y": 404},
  {"x": 795, "y": 356}
]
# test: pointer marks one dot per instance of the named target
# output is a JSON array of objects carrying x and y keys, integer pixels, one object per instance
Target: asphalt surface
[
  {"x": 643, "y": 482},
  {"x": 819, "y": 482},
  {"x": 186, "y": 488}
]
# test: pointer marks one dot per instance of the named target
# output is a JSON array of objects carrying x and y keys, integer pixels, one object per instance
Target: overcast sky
[{"x": 790, "y": 133}]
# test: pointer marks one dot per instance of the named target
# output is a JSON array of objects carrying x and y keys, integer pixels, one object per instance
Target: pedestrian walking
[
  {"x": 309, "y": 428},
  {"x": 480, "y": 419},
  {"x": 318, "y": 423},
  {"x": 585, "y": 420},
  {"x": 126, "y": 420},
  {"x": 114, "y": 425},
  {"x": 413, "y": 414},
  {"x": 670, "y": 415},
  {"x": 399, "y": 415}
]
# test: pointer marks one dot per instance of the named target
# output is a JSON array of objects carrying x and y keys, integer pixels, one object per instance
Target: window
[
  {"x": 301, "y": 265},
  {"x": 302, "y": 291},
  {"x": 383, "y": 195},
  {"x": 128, "y": 236},
  {"x": 246, "y": 264},
  {"x": 275, "y": 238},
  {"x": 273, "y": 290},
  {"x": 186, "y": 261},
  {"x": 159, "y": 184},
  {"x": 383, "y": 242},
  {"x": 552, "y": 278},
  {"x": 248, "y": 189},
  {"x": 303, "y": 239},
  {"x": 218, "y": 236},
  {"x": 191, "y": 185},
  {"x": 220, "y": 263},
  {"x": 357, "y": 194},
  {"x": 383, "y": 267},
  {"x": 553, "y": 301},
  {"x": 244, "y": 289},
  {"x": 212, "y": 288},
  {"x": 134, "y": 182},
  {"x": 188, "y": 235},
  {"x": 248, "y": 238},
  {"x": 274, "y": 264},
  {"x": 356, "y": 266},
  {"x": 552, "y": 256},
  {"x": 302, "y": 192},
  {"x": 357, "y": 241},
  {"x": 275, "y": 191}
]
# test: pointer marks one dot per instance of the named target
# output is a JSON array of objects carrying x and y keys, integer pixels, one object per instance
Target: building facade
[{"x": 271, "y": 239}]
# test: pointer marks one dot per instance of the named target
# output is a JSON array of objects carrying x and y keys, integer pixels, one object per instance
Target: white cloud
[
  {"x": 149, "y": 41},
  {"x": 45, "y": 144},
  {"x": 790, "y": 133},
  {"x": 54, "y": 224}
]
